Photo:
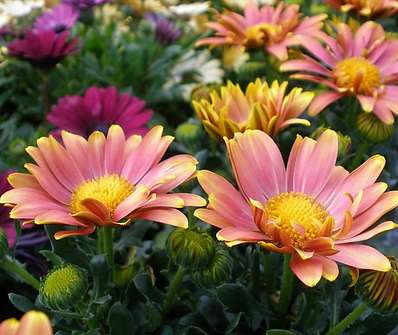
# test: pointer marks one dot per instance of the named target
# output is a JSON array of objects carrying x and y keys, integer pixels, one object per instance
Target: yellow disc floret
[
  {"x": 297, "y": 215},
  {"x": 261, "y": 34},
  {"x": 109, "y": 190},
  {"x": 357, "y": 75}
]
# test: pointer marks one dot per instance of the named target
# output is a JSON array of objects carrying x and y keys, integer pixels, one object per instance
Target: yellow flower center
[
  {"x": 358, "y": 75},
  {"x": 261, "y": 34},
  {"x": 367, "y": 3},
  {"x": 298, "y": 215},
  {"x": 109, "y": 190}
]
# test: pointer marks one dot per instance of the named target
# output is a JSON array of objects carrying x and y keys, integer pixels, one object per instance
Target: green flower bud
[
  {"x": 203, "y": 92},
  {"x": 371, "y": 128},
  {"x": 3, "y": 243},
  {"x": 380, "y": 289},
  {"x": 64, "y": 286},
  {"x": 344, "y": 140},
  {"x": 17, "y": 146},
  {"x": 217, "y": 271},
  {"x": 252, "y": 69},
  {"x": 190, "y": 135},
  {"x": 191, "y": 249}
]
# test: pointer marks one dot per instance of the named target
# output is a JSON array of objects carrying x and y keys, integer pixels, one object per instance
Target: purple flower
[
  {"x": 165, "y": 31},
  {"x": 43, "y": 48},
  {"x": 61, "y": 17},
  {"x": 98, "y": 109},
  {"x": 84, "y": 4}
]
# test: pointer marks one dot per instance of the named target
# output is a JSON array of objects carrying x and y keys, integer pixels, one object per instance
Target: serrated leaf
[
  {"x": 52, "y": 257},
  {"x": 20, "y": 302}
]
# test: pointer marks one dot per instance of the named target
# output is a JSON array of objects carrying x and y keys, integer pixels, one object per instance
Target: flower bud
[
  {"x": 344, "y": 140},
  {"x": 203, "y": 92},
  {"x": 380, "y": 289},
  {"x": 189, "y": 134},
  {"x": 191, "y": 249},
  {"x": 3, "y": 243},
  {"x": 371, "y": 128},
  {"x": 217, "y": 271},
  {"x": 64, "y": 286}
]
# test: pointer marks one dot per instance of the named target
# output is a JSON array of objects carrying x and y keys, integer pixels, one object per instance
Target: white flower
[
  {"x": 200, "y": 67},
  {"x": 241, "y": 4},
  {"x": 17, "y": 8},
  {"x": 190, "y": 9}
]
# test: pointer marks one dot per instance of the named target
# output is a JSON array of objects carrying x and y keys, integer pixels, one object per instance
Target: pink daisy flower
[
  {"x": 368, "y": 8},
  {"x": 98, "y": 109},
  {"x": 61, "y": 17},
  {"x": 102, "y": 181},
  {"x": 312, "y": 209},
  {"x": 272, "y": 28},
  {"x": 362, "y": 64}
]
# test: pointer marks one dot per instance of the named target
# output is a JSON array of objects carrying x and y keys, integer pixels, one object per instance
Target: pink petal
[
  {"x": 385, "y": 226},
  {"x": 169, "y": 216},
  {"x": 309, "y": 271},
  {"x": 321, "y": 101}
]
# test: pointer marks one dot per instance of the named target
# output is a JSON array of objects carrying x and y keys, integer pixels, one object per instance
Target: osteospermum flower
[
  {"x": 33, "y": 322},
  {"x": 165, "y": 31},
  {"x": 61, "y": 17},
  {"x": 272, "y": 28},
  {"x": 263, "y": 107},
  {"x": 98, "y": 109},
  {"x": 368, "y": 8},
  {"x": 102, "y": 181},
  {"x": 44, "y": 48},
  {"x": 312, "y": 209},
  {"x": 362, "y": 64},
  {"x": 84, "y": 4}
]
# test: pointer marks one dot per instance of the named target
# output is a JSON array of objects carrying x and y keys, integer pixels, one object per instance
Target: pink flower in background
[
  {"x": 273, "y": 28},
  {"x": 6, "y": 223},
  {"x": 103, "y": 181},
  {"x": 61, "y": 17},
  {"x": 98, "y": 109},
  {"x": 312, "y": 209},
  {"x": 368, "y": 8},
  {"x": 363, "y": 64},
  {"x": 44, "y": 48}
]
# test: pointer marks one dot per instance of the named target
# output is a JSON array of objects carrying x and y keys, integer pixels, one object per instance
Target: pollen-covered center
[
  {"x": 366, "y": 3},
  {"x": 298, "y": 215},
  {"x": 109, "y": 190},
  {"x": 261, "y": 34},
  {"x": 358, "y": 75}
]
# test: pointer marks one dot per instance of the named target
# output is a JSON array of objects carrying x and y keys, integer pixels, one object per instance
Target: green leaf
[
  {"x": 279, "y": 332},
  {"x": 52, "y": 257},
  {"x": 121, "y": 321},
  {"x": 101, "y": 275},
  {"x": 20, "y": 302}
]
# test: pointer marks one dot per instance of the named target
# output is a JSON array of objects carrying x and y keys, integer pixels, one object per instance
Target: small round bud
[
  {"x": 189, "y": 134},
  {"x": 343, "y": 140},
  {"x": 3, "y": 243},
  {"x": 203, "y": 92},
  {"x": 191, "y": 249},
  {"x": 371, "y": 128},
  {"x": 64, "y": 286},
  {"x": 380, "y": 289},
  {"x": 217, "y": 271}
]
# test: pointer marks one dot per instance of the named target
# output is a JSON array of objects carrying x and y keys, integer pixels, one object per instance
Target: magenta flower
[
  {"x": 61, "y": 17},
  {"x": 84, "y": 4},
  {"x": 43, "y": 48},
  {"x": 98, "y": 109}
]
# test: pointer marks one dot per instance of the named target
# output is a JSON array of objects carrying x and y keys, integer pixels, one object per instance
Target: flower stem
[
  {"x": 286, "y": 287},
  {"x": 46, "y": 93},
  {"x": 13, "y": 266},
  {"x": 105, "y": 245},
  {"x": 363, "y": 148},
  {"x": 348, "y": 320},
  {"x": 172, "y": 291}
]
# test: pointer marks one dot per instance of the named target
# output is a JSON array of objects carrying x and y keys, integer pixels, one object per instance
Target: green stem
[
  {"x": 348, "y": 320},
  {"x": 172, "y": 291},
  {"x": 286, "y": 287},
  {"x": 105, "y": 245},
  {"x": 46, "y": 93},
  {"x": 361, "y": 151},
  {"x": 12, "y": 266}
]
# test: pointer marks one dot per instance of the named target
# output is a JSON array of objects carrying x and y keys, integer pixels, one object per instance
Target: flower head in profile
[
  {"x": 312, "y": 209},
  {"x": 84, "y": 4},
  {"x": 103, "y": 181},
  {"x": 61, "y": 17},
  {"x": 367, "y": 8},
  {"x": 165, "y": 31},
  {"x": 98, "y": 109},
  {"x": 32, "y": 322},
  {"x": 272, "y": 28},
  {"x": 268, "y": 108},
  {"x": 43, "y": 48},
  {"x": 363, "y": 64}
]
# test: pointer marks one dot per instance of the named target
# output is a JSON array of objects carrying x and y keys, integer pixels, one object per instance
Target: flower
[
  {"x": 368, "y": 8},
  {"x": 102, "y": 181},
  {"x": 362, "y": 64},
  {"x": 84, "y": 4},
  {"x": 263, "y": 107},
  {"x": 5, "y": 222},
  {"x": 314, "y": 210},
  {"x": 371, "y": 128},
  {"x": 190, "y": 9},
  {"x": 165, "y": 31},
  {"x": 98, "y": 109},
  {"x": 44, "y": 48},
  {"x": 32, "y": 322},
  {"x": 61, "y": 17},
  {"x": 200, "y": 66},
  {"x": 380, "y": 289},
  {"x": 272, "y": 28},
  {"x": 18, "y": 8}
]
